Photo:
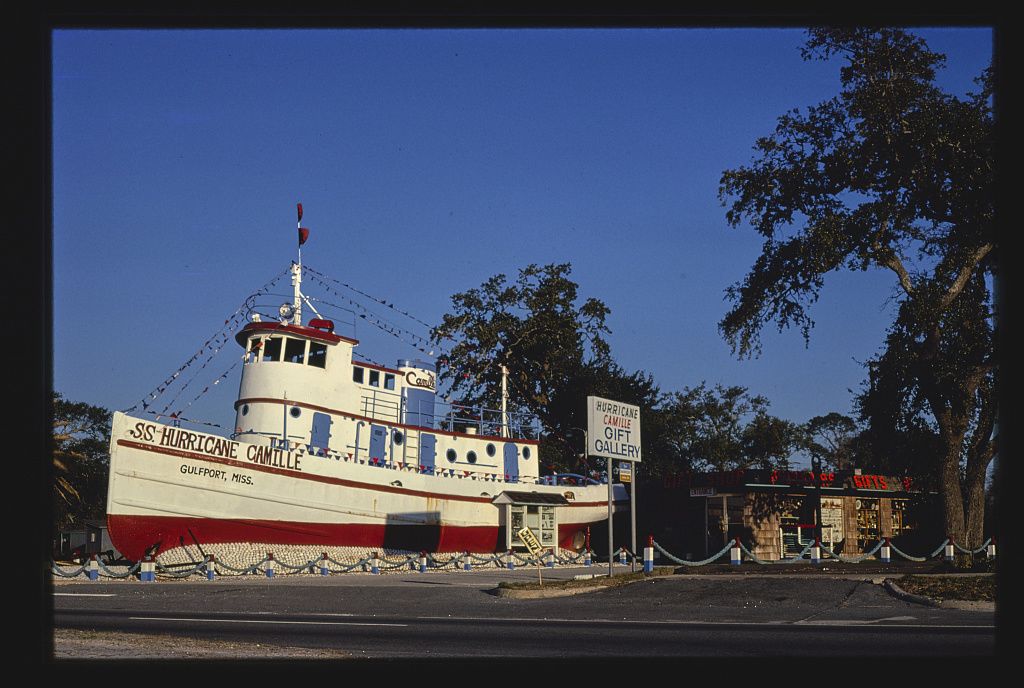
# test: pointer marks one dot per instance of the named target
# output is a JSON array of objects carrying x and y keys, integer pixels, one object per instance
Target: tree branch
[
  {"x": 896, "y": 265},
  {"x": 965, "y": 274}
]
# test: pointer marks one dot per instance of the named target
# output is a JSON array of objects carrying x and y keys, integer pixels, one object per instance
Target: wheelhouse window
[
  {"x": 317, "y": 354},
  {"x": 389, "y": 381},
  {"x": 253, "y": 351},
  {"x": 295, "y": 350},
  {"x": 357, "y": 374},
  {"x": 375, "y": 378},
  {"x": 272, "y": 349}
]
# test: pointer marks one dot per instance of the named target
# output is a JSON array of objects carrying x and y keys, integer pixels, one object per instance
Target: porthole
[
  {"x": 295, "y": 412},
  {"x": 451, "y": 455},
  {"x": 471, "y": 457},
  {"x": 490, "y": 450},
  {"x": 245, "y": 409},
  {"x": 526, "y": 452},
  {"x": 398, "y": 437}
]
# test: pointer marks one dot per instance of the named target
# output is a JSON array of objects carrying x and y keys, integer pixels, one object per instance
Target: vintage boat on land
[{"x": 332, "y": 451}]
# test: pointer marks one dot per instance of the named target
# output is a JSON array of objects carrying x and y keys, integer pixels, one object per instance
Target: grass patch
[
  {"x": 600, "y": 581},
  {"x": 971, "y": 588}
]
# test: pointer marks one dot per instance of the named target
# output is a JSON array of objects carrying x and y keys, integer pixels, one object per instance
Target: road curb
[
  {"x": 537, "y": 594},
  {"x": 898, "y": 592},
  {"x": 533, "y": 593}
]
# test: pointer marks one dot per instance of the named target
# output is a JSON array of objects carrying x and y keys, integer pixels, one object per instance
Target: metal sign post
[
  {"x": 610, "y": 544},
  {"x": 632, "y": 518}
]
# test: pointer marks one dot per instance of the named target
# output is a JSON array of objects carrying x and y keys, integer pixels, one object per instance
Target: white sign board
[
  {"x": 613, "y": 429},
  {"x": 530, "y": 540}
]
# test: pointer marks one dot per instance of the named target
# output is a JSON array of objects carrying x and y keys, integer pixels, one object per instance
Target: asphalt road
[{"x": 457, "y": 614}]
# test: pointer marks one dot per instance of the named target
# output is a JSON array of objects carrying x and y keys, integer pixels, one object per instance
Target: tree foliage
[
  {"x": 831, "y": 440},
  {"x": 725, "y": 428},
  {"x": 534, "y": 328},
  {"x": 891, "y": 173},
  {"x": 556, "y": 357},
  {"x": 81, "y": 459}
]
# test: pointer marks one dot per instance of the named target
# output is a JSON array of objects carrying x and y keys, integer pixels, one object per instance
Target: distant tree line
[{"x": 81, "y": 461}]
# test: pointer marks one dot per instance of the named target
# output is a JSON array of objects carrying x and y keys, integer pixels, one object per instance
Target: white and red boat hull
[{"x": 167, "y": 493}]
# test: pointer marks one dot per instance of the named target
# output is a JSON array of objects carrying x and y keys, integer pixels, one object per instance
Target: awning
[{"x": 530, "y": 498}]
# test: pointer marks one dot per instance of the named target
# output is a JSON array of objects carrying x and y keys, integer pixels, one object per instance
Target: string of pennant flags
[
  {"x": 379, "y": 320},
  {"x": 383, "y": 302},
  {"x": 230, "y": 325},
  {"x": 216, "y": 342},
  {"x": 408, "y": 337},
  {"x": 219, "y": 344},
  {"x": 177, "y": 414},
  {"x": 367, "y": 359}
]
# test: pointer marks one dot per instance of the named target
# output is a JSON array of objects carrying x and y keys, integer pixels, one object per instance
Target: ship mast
[
  {"x": 297, "y": 296},
  {"x": 297, "y": 274},
  {"x": 504, "y": 401}
]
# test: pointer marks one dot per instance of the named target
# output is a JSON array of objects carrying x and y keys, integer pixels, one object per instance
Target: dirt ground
[{"x": 76, "y": 644}]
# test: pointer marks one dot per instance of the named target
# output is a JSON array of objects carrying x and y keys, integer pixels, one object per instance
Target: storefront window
[
  {"x": 517, "y": 519},
  {"x": 538, "y": 518},
  {"x": 867, "y": 523},
  {"x": 796, "y": 521},
  {"x": 832, "y": 521},
  {"x": 899, "y": 522}
]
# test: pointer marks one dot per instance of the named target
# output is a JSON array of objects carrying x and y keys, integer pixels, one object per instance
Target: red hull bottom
[{"x": 134, "y": 535}]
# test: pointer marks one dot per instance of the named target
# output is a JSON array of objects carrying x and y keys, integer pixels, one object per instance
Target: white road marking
[
  {"x": 83, "y": 594},
  {"x": 268, "y": 621},
  {"x": 687, "y": 622}
]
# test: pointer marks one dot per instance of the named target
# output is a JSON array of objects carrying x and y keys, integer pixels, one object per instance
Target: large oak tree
[{"x": 892, "y": 173}]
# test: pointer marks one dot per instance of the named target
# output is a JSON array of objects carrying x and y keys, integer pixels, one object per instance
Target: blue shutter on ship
[
  {"x": 419, "y": 407},
  {"x": 511, "y": 461},
  {"x": 378, "y": 443},
  {"x": 321, "y": 432},
  {"x": 427, "y": 444}
]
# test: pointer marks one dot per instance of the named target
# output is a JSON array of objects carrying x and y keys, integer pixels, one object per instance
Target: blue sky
[{"x": 428, "y": 160}]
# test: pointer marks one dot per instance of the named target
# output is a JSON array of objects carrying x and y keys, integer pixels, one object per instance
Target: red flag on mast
[{"x": 303, "y": 232}]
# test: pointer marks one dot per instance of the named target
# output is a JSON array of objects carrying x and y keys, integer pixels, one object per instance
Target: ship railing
[
  {"x": 380, "y": 405},
  {"x": 568, "y": 479},
  {"x": 442, "y": 415}
]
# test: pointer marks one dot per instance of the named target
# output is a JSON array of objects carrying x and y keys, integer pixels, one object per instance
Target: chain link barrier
[
  {"x": 493, "y": 559},
  {"x": 691, "y": 563},
  {"x": 392, "y": 566},
  {"x": 241, "y": 572},
  {"x": 973, "y": 551},
  {"x": 790, "y": 560},
  {"x": 130, "y": 572},
  {"x": 58, "y": 571},
  {"x": 910, "y": 557},
  {"x": 854, "y": 559},
  {"x": 500, "y": 560},
  {"x": 434, "y": 563},
  {"x": 345, "y": 568},
  {"x": 168, "y": 573}
]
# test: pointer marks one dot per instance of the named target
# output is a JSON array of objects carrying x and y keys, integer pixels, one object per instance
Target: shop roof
[{"x": 531, "y": 498}]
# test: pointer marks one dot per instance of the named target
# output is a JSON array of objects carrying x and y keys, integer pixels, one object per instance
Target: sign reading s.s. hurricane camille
[{"x": 613, "y": 429}]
